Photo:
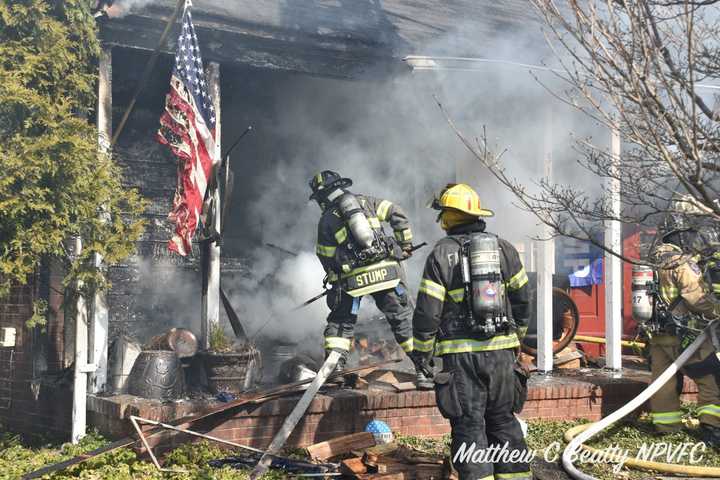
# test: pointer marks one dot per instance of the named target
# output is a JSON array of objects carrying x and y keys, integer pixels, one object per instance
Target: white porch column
[
  {"x": 98, "y": 327},
  {"x": 545, "y": 270},
  {"x": 613, "y": 265},
  {"x": 211, "y": 281},
  {"x": 79, "y": 412}
]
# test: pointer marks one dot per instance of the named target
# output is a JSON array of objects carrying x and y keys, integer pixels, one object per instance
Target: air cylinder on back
[
  {"x": 356, "y": 220},
  {"x": 487, "y": 287},
  {"x": 642, "y": 303}
]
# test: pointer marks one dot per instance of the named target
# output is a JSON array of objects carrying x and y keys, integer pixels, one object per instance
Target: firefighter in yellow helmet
[
  {"x": 473, "y": 296},
  {"x": 683, "y": 307},
  {"x": 360, "y": 260}
]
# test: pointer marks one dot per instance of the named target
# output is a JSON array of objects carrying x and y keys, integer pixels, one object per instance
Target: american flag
[{"x": 188, "y": 127}]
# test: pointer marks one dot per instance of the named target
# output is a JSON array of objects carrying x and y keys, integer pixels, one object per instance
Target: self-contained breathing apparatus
[
  {"x": 365, "y": 244},
  {"x": 652, "y": 312},
  {"x": 484, "y": 290}
]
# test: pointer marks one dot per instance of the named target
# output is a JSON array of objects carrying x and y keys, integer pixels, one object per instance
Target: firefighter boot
[
  {"x": 710, "y": 435},
  {"x": 339, "y": 367}
]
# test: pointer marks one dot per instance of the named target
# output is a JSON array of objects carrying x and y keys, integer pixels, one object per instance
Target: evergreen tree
[{"x": 53, "y": 182}]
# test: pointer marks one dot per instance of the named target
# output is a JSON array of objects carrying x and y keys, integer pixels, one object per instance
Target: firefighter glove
[{"x": 423, "y": 362}]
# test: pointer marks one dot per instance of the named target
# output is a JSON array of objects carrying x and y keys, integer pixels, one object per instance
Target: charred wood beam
[{"x": 332, "y": 57}]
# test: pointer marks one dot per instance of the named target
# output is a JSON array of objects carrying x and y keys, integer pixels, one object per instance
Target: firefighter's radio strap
[{"x": 372, "y": 278}]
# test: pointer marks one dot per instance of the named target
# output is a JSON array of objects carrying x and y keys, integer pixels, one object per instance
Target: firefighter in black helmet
[
  {"x": 684, "y": 307},
  {"x": 360, "y": 259},
  {"x": 473, "y": 296}
]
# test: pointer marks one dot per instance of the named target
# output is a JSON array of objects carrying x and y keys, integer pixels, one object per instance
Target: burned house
[{"x": 324, "y": 84}]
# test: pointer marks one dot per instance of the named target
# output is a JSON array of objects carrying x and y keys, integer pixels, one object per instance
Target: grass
[{"x": 16, "y": 458}]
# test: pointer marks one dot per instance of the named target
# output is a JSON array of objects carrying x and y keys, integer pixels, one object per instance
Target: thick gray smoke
[{"x": 386, "y": 132}]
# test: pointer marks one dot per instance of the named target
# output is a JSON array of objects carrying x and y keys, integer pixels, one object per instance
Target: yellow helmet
[{"x": 463, "y": 198}]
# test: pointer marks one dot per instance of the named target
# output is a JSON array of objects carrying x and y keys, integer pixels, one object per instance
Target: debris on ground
[
  {"x": 289, "y": 465},
  {"x": 392, "y": 461},
  {"x": 340, "y": 445}
]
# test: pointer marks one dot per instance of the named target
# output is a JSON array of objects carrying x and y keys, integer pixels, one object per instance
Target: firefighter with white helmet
[
  {"x": 360, "y": 259},
  {"x": 473, "y": 296}
]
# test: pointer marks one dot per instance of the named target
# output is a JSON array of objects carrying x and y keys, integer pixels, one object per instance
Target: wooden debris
[
  {"x": 353, "y": 466},
  {"x": 429, "y": 471},
  {"x": 360, "y": 384},
  {"x": 567, "y": 358},
  {"x": 377, "y": 450},
  {"x": 253, "y": 398},
  {"x": 338, "y": 446},
  {"x": 410, "y": 472},
  {"x": 382, "y": 386},
  {"x": 404, "y": 386},
  {"x": 389, "y": 376}
]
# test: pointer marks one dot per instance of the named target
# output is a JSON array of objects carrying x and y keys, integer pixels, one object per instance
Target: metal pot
[
  {"x": 157, "y": 374},
  {"x": 232, "y": 372}
]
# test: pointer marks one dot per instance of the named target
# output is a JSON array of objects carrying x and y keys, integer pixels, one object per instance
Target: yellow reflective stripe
[
  {"x": 382, "y": 210},
  {"x": 669, "y": 293},
  {"x": 374, "y": 222},
  {"x": 407, "y": 345},
  {"x": 432, "y": 289},
  {"x": 318, "y": 178},
  {"x": 325, "y": 251},
  {"x": 374, "y": 266},
  {"x": 423, "y": 345},
  {"x": 337, "y": 342},
  {"x": 456, "y": 295},
  {"x": 403, "y": 235},
  {"x": 341, "y": 235},
  {"x": 467, "y": 345},
  {"x": 716, "y": 287},
  {"x": 518, "y": 280},
  {"x": 666, "y": 418},
  {"x": 514, "y": 475},
  {"x": 711, "y": 409}
]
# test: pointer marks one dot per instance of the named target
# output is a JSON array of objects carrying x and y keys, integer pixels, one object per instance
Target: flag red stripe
[{"x": 194, "y": 145}]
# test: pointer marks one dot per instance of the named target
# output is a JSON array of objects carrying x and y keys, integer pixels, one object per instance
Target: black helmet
[
  {"x": 325, "y": 182},
  {"x": 691, "y": 238}
]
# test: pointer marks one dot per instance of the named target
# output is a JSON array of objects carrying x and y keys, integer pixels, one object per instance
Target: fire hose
[
  {"x": 585, "y": 432},
  {"x": 624, "y": 343}
]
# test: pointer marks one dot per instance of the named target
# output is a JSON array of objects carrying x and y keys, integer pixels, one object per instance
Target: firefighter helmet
[
  {"x": 325, "y": 182},
  {"x": 678, "y": 231},
  {"x": 463, "y": 198}
]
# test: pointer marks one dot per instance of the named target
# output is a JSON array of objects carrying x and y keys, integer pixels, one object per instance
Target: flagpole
[
  {"x": 148, "y": 70},
  {"x": 210, "y": 316}
]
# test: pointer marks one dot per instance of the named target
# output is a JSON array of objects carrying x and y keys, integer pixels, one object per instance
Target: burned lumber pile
[
  {"x": 361, "y": 458},
  {"x": 358, "y": 456}
]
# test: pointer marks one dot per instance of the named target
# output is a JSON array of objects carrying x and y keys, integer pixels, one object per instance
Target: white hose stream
[{"x": 636, "y": 402}]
